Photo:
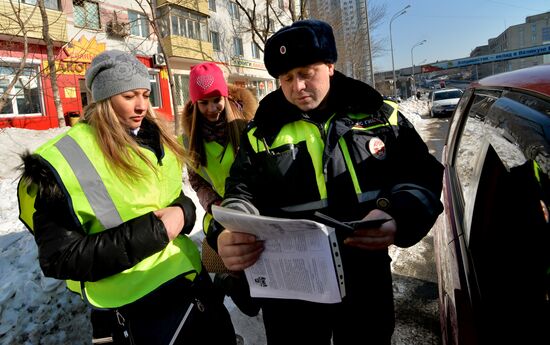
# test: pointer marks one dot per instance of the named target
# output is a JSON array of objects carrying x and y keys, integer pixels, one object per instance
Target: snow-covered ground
[{"x": 39, "y": 310}]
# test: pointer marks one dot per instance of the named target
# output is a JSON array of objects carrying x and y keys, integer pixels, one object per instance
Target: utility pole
[
  {"x": 399, "y": 13},
  {"x": 412, "y": 64}
]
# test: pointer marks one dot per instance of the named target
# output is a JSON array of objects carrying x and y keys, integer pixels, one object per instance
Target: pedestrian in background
[
  {"x": 325, "y": 142},
  {"x": 213, "y": 121},
  {"x": 105, "y": 203}
]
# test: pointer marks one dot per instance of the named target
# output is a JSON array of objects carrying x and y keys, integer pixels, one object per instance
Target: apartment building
[
  {"x": 190, "y": 32},
  {"x": 238, "y": 30},
  {"x": 534, "y": 32},
  {"x": 349, "y": 21}
]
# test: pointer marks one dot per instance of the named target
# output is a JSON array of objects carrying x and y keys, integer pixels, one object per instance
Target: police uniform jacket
[{"x": 365, "y": 153}]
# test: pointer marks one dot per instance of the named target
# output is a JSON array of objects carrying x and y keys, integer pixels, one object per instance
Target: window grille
[{"x": 86, "y": 14}]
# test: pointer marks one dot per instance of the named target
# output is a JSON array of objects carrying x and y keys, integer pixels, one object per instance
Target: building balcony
[
  {"x": 200, "y": 6},
  {"x": 187, "y": 48},
  {"x": 30, "y": 14}
]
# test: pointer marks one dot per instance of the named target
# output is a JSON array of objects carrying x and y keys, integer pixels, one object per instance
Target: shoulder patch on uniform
[{"x": 377, "y": 148}]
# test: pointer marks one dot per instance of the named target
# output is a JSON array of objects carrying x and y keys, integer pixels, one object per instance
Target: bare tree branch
[
  {"x": 4, "y": 98},
  {"x": 52, "y": 70}
]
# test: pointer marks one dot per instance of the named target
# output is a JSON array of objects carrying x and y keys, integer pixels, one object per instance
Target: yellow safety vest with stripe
[
  {"x": 218, "y": 163},
  {"x": 304, "y": 131},
  {"x": 101, "y": 200}
]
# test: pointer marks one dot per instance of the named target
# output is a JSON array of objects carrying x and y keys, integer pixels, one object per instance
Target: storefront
[
  {"x": 30, "y": 103},
  {"x": 251, "y": 75}
]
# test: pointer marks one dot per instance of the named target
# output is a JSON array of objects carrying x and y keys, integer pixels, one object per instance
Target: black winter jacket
[
  {"x": 270, "y": 182},
  {"x": 65, "y": 251}
]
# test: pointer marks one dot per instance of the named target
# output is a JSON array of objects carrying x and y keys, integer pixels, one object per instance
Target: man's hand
[
  {"x": 173, "y": 219},
  {"x": 374, "y": 238},
  {"x": 238, "y": 250}
]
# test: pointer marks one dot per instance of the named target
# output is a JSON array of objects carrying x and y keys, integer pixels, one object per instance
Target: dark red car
[{"x": 492, "y": 243}]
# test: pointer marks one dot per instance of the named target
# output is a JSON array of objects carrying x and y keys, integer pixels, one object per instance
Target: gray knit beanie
[{"x": 113, "y": 72}]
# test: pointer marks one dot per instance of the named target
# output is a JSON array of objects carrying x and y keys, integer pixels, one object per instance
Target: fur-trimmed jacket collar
[
  {"x": 244, "y": 99},
  {"x": 346, "y": 95}
]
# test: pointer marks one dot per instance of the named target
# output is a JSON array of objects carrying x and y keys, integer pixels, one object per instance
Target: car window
[
  {"x": 438, "y": 96},
  {"x": 457, "y": 121},
  {"x": 508, "y": 240},
  {"x": 502, "y": 164},
  {"x": 468, "y": 145}
]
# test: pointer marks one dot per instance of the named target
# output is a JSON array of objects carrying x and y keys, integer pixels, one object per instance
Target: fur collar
[
  {"x": 244, "y": 98},
  {"x": 37, "y": 171},
  {"x": 241, "y": 96},
  {"x": 346, "y": 95}
]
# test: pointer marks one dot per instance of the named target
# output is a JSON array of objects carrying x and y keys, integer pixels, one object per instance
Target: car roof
[
  {"x": 446, "y": 90},
  {"x": 534, "y": 79}
]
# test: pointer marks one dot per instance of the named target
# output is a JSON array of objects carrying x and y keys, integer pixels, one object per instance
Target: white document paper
[{"x": 301, "y": 258}]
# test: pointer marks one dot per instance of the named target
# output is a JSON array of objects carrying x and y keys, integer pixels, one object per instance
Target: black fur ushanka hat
[{"x": 300, "y": 44}]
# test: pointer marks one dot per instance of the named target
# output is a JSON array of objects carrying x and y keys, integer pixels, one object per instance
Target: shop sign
[
  {"x": 238, "y": 61},
  {"x": 83, "y": 50},
  {"x": 78, "y": 55}
]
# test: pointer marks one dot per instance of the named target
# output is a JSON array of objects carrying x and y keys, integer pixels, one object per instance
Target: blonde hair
[
  {"x": 235, "y": 121},
  {"x": 117, "y": 144}
]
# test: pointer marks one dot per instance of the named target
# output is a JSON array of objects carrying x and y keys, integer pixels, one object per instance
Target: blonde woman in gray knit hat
[{"x": 105, "y": 203}]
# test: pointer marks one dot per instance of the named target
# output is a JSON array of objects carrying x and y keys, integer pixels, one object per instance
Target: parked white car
[{"x": 443, "y": 102}]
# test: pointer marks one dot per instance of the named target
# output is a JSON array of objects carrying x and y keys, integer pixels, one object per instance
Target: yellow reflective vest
[
  {"x": 101, "y": 200},
  {"x": 218, "y": 163},
  {"x": 307, "y": 132}
]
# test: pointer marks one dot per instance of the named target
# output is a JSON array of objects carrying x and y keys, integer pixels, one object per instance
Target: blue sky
[{"x": 451, "y": 28}]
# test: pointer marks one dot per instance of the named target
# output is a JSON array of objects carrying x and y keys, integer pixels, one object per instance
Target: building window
[
  {"x": 182, "y": 88},
  {"x": 259, "y": 86},
  {"x": 521, "y": 38},
  {"x": 234, "y": 10},
  {"x": 212, "y": 5},
  {"x": 139, "y": 24},
  {"x": 188, "y": 25},
  {"x": 268, "y": 23},
  {"x": 86, "y": 14},
  {"x": 255, "y": 50},
  {"x": 154, "y": 96},
  {"x": 25, "y": 96},
  {"x": 50, "y": 4},
  {"x": 238, "y": 46},
  {"x": 215, "y": 38}
]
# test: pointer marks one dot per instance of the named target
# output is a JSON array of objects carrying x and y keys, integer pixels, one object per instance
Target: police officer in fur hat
[{"x": 329, "y": 143}]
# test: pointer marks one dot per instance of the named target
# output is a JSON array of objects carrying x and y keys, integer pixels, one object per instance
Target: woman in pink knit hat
[{"x": 212, "y": 123}]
